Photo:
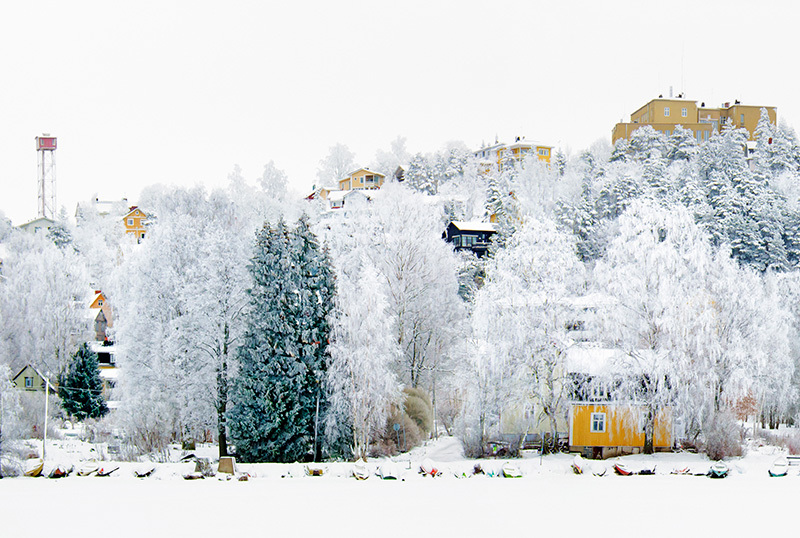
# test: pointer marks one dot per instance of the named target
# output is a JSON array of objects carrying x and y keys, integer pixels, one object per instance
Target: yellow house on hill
[
  {"x": 135, "y": 221},
  {"x": 497, "y": 156},
  {"x": 664, "y": 115},
  {"x": 362, "y": 179}
]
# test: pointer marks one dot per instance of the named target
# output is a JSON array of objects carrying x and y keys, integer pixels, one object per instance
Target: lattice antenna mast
[{"x": 46, "y": 159}]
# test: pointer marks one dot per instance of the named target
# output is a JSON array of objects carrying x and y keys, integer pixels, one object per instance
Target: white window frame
[
  {"x": 28, "y": 382},
  {"x": 684, "y": 112},
  {"x": 598, "y": 423},
  {"x": 130, "y": 222},
  {"x": 666, "y": 112}
]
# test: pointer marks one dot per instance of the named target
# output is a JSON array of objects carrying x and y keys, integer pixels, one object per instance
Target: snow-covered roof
[
  {"x": 590, "y": 359},
  {"x": 100, "y": 347},
  {"x": 109, "y": 373},
  {"x": 366, "y": 170},
  {"x": 474, "y": 226}
]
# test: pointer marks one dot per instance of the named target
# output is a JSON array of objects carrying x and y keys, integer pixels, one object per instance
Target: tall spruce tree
[
  {"x": 278, "y": 396},
  {"x": 80, "y": 388}
]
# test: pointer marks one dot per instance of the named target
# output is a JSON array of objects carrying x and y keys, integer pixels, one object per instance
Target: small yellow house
[
  {"x": 497, "y": 156},
  {"x": 605, "y": 429},
  {"x": 362, "y": 178},
  {"x": 100, "y": 312},
  {"x": 135, "y": 221},
  {"x": 30, "y": 379}
]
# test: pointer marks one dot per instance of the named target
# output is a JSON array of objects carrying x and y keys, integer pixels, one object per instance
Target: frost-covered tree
[
  {"x": 10, "y": 410},
  {"x": 522, "y": 314},
  {"x": 278, "y": 398},
  {"x": 273, "y": 181},
  {"x": 43, "y": 304},
  {"x": 179, "y": 300},
  {"x": 361, "y": 379},
  {"x": 420, "y": 271},
  {"x": 335, "y": 166},
  {"x": 649, "y": 269},
  {"x": 80, "y": 387}
]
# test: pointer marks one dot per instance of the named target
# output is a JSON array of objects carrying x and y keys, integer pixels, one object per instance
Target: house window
[
  {"x": 741, "y": 119},
  {"x": 666, "y": 111},
  {"x": 468, "y": 240},
  {"x": 684, "y": 112},
  {"x": 130, "y": 222},
  {"x": 28, "y": 382},
  {"x": 598, "y": 422},
  {"x": 457, "y": 241},
  {"x": 667, "y": 132}
]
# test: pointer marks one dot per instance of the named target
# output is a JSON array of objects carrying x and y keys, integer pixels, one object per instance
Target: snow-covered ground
[{"x": 549, "y": 497}]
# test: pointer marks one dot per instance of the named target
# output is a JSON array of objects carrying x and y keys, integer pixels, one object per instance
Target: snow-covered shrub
[
  {"x": 723, "y": 437},
  {"x": 409, "y": 435},
  {"x": 418, "y": 406}
]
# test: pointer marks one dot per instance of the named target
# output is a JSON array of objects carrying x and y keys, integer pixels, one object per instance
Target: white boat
[
  {"x": 578, "y": 464},
  {"x": 389, "y": 470},
  {"x": 779, "y": 467},
  {"x": 510, "y": 470},
  {"x": 360, "y": 470},
  {"x": 428, "y": 468},
  {"x": 87, "y": 468},
  {"x": 34, "y": 466},
  {"x": 719, "y": 470}
]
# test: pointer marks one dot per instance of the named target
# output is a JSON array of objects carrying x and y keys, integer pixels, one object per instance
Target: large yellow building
[{"x": 664, "y": 115}]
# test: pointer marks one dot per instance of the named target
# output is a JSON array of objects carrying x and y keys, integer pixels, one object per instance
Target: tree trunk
[
  {"x": 222, "y": 397},
  {"x": 649, "y": 430}
]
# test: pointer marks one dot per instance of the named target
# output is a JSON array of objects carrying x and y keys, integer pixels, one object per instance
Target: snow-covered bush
[
  {"x": 723, "y": 437},
  {"x": 418, "y": 406}
]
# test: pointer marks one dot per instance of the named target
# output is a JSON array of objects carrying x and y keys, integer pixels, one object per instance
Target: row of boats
[
  {"x": 391, "y": 470},
  {"x": 718, "y": 469},
  {"x": 35, "y": 467}
]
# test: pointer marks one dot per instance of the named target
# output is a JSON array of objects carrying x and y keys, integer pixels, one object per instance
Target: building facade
[
  {"x": 664, "y": 115},
  {"x": 496, "y": 157},
  {"x": 135, "y": 221},
  {"x": 362, "y": 178}
]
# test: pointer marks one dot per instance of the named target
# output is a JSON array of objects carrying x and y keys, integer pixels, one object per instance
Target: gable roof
[
  {"x": 474, "y": 226},
  {"x": 367, "y": 170}
]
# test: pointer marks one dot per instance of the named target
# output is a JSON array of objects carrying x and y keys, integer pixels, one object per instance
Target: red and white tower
[{"x": 46, "y": 158}]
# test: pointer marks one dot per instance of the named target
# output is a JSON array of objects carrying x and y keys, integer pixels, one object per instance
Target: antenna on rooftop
[{"x": 46, "y": 164}]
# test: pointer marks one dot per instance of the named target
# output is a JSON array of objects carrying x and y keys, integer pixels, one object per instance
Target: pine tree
[
  {"x": 80, "y": 388},
  {"x": 278, "y": 395}
]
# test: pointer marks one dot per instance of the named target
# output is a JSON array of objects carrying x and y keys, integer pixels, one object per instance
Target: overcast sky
[{"x": 179, "y": 92}]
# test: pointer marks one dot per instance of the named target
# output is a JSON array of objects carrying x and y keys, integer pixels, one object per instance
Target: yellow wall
[
  {"x": 622, "y": 427},
  {"x": 751, "y": 116},
  {"x": 357, "y": 180},
  {"x": 653, "y": 113}
]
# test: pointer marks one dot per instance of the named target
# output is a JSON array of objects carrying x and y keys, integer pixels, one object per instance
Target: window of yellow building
[
  {"x": 666, "y": 111},
  {"x": 130, "y": 222},
  {"x": 684, "y": 112},
  {"x": 598, "y": 422}
]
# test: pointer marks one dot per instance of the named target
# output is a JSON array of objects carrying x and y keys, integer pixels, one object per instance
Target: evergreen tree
[
  {"x": 278, "y": 396},
  {"x": 80, "y": 388}
]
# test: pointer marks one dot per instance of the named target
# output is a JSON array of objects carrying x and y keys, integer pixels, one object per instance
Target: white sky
[{"x": 178, "y": 92}]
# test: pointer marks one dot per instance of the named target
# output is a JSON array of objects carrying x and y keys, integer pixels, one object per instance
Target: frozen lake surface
[{"x": 746, "y": 503}]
